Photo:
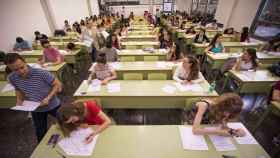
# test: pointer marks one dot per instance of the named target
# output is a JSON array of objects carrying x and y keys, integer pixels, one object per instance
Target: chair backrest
[
  {"x": 151, "y": 58},
  {"x": 157, "y": 76},
  {"x": 133, "y": 76},
  {"x": 127, "y": 58}
]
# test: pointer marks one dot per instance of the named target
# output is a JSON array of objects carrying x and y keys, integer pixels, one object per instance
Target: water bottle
[{"x": 212, "y": 87}]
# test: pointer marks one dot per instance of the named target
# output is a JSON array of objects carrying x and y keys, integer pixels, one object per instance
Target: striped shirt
[
  {"x": 35, "y": 87},
  {"x": 102, "y": 72}
]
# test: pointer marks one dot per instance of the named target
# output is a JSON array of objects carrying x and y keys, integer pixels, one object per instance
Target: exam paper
[
  {"x": 189, "y": 87},
  {"x": 160, "y": 64},
  {"x": 94, "y": 86},
  {"x": 75, "y": 145},
  {"x": 114, "y": 87},
  {"x": 247, "y": 139},
  {"x": 8, "y": 87},
  {"x": 222, "y": 143},
  {"x": 191, "y": 141},
  {"x": 115, "y": 65},
  {"x": 27, "y": 106},
  {"x": 169, "y": 89}
]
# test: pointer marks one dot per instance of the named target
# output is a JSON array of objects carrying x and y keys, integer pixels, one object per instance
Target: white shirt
[{"x": 180, "y": 75}]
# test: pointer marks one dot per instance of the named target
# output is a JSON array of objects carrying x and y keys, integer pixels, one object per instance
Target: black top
[
  {"x": 191, "y": 114},
  {"x": 201, "y": 40}
]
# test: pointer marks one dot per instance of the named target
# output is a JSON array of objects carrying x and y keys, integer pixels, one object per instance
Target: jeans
[
  {"x": 40, "y": 121},
  {"x": 93, "y": 54}
]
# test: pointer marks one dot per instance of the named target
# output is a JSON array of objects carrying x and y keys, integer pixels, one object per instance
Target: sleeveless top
[{"x": 190, "y": 115}]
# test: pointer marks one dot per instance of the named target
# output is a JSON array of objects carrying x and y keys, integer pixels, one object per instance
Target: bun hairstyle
[{"x": 101, "y": 58}]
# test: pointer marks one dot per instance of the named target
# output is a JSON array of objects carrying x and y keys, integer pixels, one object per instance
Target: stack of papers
[
  {"x": 247, "y": 139},
  {"x": 189, "y": 87},
  {"x": 114, "y": 87},
  {"x": 27, "y": 106},
  {"x": 191, "y": 141},
  {"x": 169, "y": 89},
  {"x": 75, "y": 144},
  {"x": 222, "y": 143},
  {"x": 8, "y": 87},
  {"x": 95, "y": 86}
]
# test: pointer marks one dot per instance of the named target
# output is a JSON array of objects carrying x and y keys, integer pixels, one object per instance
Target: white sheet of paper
[
  {"x": 2, "y": 66},
  {"x": 105, "y": 34},
  {"x": 8, "y": 87},
  {"x": 160, "y": 64},
  {"x": 222, "y": 143},
  {"x": 63, "y": 52},
  {"x": 191, "y": 141},
  {"x": 35, "y": 65},
  {"x": 115, "y": 65},
  {"x": 74, "y": 145},
  {"x": 114, "y": 87},
  {"x": 247, "y": 139},
  {"x": 27, "y": 106},
  {"x": 95, "y": 86},
  {"x": 189, "y": 87},
  {"x": 169, "y": 89}
]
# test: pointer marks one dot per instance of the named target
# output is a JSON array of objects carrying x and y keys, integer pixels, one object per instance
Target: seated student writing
[
  {"x": 212, "y": 25},
  {"x": 39, "y": 36},
  {"x": 276, "y": 92},
  {"x": 229, "y": 31},
  {"x": 50, "y": 54},
  {"x": 248, "y": 61},
  {"x": 188, "y": 71},
  {"x": 174, "y": 53},
  {"x": 217, "y": 110},
  {"x": 201, "y": 37},
  {"x": 80, "y": 115},
  {"x": 216, "y": 45},
  {"x": 245, "y": 35},
  {"x": 182, "y": 26},
  {"x": 21, "y": 45},
  {"x": 190, "y": 31},
  {"x": 102, "y": 70}
]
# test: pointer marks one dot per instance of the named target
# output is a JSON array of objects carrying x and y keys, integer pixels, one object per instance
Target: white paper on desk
[
  {"x": 27, "y": 106},
  {"x": 114, "y": 87},
  {"x": 247, "y": 139},
  {"x": 35, "y": 65},
  {"x": 105, "y": 34},
  {"x": 75, "y": 145},
  {"x": 8, "y": 87},
  {"x": 169, "y": 89},
  {"x": 189, "y": 87},
  {"x": 115, "y": 65},
  {"x": 162, "y": 50},
  {"x": 94, "y": 86},
  {"x": 160, "y": 64},
  {"x": 63, "y": 52},
  {"x": 261, "y": 75},
  {"x": 191, "y": 141},
  {"x": 222, "y": 143}
]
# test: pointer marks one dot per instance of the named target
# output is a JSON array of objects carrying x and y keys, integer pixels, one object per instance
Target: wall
[
  {"x": 19, "y": 18},
  {"x": 183, "y": 5},
  {"x": 136, "y": 9},
  {"x": 94, "y": 7},
  {"x": 237, "y": 13}
]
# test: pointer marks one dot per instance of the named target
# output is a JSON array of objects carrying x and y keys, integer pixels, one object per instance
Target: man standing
[{"x": 34, "y": 85}]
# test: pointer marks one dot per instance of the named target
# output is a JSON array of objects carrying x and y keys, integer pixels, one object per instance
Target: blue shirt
[
  {"x": 22, "y": 45},
  {"x": 35, "y": 87},
  {"x": 217, "y": 49}
]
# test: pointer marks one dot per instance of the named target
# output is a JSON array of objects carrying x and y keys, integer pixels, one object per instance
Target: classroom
[{"x": 140, "y": 78}]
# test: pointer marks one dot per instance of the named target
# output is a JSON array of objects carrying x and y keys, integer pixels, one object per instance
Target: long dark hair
[
  {"x": 214, "y": 40},
  {"x": 252, "y": 53},
  {"x": 101, "y": 58},
  {"x": 194, "y": 68}
]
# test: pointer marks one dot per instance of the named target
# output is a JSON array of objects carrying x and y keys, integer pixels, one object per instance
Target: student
[
  {"x": 188, "y": 71},
  {"x": 248, "y": 61},
  {"x": 190, "y": 30},
  {"x": 111, "y": 53},
  {"x": 166, "y": 41},
  {"x": 216, "y": 111},
  {"x": 115, "y": 42},
  {"x": 39, "y": 36},
  {"x": 229, "y": 31},
  {"x": 182, "y": 26},
  {"x": 21, "y": 45},
  {"x": 212, "y": 25},
  {"x": 216, "y": 45},
  {"x": 102, "y": 70},
  {"x": 174, "y": 53},
  {"x": 50, "y": 54},
  {"x": 201, "y": 37},
  {"x": 276, "y": 92},
  {"x": 66, "y": 27},
  {"x": 245, "y": 35},
  {"x": 36, "y": 85},
  {"x": 81, "y": 114}
]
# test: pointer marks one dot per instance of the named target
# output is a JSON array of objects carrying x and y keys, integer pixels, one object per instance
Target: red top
[{"x": 92, "y": 117}]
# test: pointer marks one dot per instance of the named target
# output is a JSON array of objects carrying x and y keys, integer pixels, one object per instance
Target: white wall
[
  {"x": 72, "y": 10},
  {"x": 237, "y": 13},
  {"x": 94, "y": 7},
  {"x": 183, "y": 5},
  {"x": 137, "y": 9},
  {"x": 19, "y": 18}
]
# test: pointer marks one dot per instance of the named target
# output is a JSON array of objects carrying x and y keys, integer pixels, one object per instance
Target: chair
[
  {"x": 157, "y": 76},
  {"x": 127, "y": 58},
  {"x": 133, "y": 76},
  {"x": 151, "y": 58}
]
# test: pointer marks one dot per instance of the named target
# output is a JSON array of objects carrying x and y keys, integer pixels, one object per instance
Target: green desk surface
[
  {"x": 32, "y": 56},
  {"x": 226, "y": 38},
  {"x": 139, "y": 38},
  {"x": 54, "y": 69},
  {"x": 60, "y": 45},
  {"x": 63, "y": 39},
  {"x": 142, "y": 94},
  {"x": 7, "y": 99},
  {"x": 143, "y": 67},
  {"x": 139, "y": 54},
  {"x": 140, "y": 44},
  {"x": 135, "y": 27},
  {"x": 259, "y": 81},
  {"x": 141, "y": 32},
  {"x": 155, "y": 141}
]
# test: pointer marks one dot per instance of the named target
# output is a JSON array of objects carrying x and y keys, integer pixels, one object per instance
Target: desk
[
  {"x": 139, "y": 38},
  {"x": 59, "y": 45},
  {"x": 229, "y": 46},
  {"x": 142, "y": 67},
  {"x": 154, "y": 141},
  {"x": 143, "y": 94},
  {"x": 142, "y": 32},
  {"x": 226, "y": 38},
  {"x": 139, "y": 45},
  {"x": 218, "y": 60},
  {"x": 259, "y": 81},
  {"x": 63, "y": 39},
  {"x": 56, "y": 70},
  {"x": 8, "y": 99},
  {"x": 141, "y": 27},
  {"x": 139, "y": 54}
]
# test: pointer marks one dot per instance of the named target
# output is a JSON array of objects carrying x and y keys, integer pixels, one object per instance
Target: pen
[{"x": 59, "y": 153}]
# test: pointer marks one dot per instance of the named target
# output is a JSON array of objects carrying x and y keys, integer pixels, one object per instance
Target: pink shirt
[{"x": 51, "y": 55}]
